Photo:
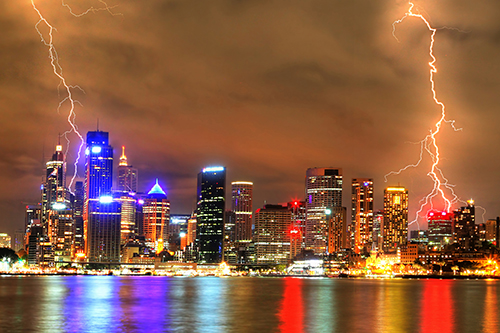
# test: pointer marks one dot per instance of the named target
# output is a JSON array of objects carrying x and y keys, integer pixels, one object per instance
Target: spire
[
  {"x": 157, "y": 189},
  {"x": 123, "y": 158}
]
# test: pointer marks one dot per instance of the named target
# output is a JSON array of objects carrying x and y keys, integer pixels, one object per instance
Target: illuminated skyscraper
[
  {"x": 337, "y": 229},
  {"x": 128, "y": 216},
  {"x": 127, "y": 175},
  {"x": 98, "y": 165},
  {"x": 241, "y": 205},
  {"x": 210, "y": 214},
  {"x": 323, "y": 190},
  {"x": 440, "y": 229},
  {"x": 273, "y": 226},
  {"x": 156, "y": 218},
  {"x": 78, "y": 216},
  {"x": 53, "y": 189},
  {"x": 463, "y": 226},
  {"x": 395, "y": 217},
  {"x": 102, "y": 213},
  {"x": 362, "y": 213}
]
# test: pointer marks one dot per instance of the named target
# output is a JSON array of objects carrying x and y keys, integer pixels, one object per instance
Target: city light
[
  {"x": 105, "y": 199},
  {"x": 213, "y": 169},
  {"x": 96, "y": 149}
]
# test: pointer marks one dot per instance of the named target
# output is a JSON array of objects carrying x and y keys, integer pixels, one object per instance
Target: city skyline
[{"x": 339, "y": 82}]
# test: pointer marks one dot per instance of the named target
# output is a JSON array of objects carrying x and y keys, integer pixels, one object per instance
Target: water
[{"x": 211, "y": 304}]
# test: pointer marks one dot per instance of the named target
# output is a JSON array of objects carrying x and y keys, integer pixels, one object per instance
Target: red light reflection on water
[
  {"x": 491, "y": 322},
  {"x": 291, "y": 312},
  {"x": 437, "y": 307}
]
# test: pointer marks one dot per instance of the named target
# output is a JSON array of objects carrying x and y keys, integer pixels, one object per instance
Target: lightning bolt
[
  {"x": 48, "y": 41},
  {"x": 429, "y": 144}
]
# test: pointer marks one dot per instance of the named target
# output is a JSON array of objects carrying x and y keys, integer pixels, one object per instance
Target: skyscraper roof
[{"x": 156, "y": 189}]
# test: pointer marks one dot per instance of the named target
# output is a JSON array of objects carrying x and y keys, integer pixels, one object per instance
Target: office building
[
  {"x": 362, "y": 213},
  {"x": 273, "y": 232},
  {"x": 323, "y": 190},
  {"x": 440, "y": 224},
  {"x": 210, "y": 214},
  {"x": 127, "y": 175},
  {"x": 241, "y": 205},
  {"x": 102, "y": 213},
  {"x": 463, "y": 226},
  {"x": 395, "y": 218},
  {"x": 156, "y": 218},
  {"x": 337, "y": 229}
]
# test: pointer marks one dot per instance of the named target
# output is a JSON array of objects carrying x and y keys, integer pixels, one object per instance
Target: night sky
[{"x": 266, "y": 88}]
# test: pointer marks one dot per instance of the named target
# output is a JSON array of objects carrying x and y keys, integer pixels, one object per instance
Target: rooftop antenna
[{"x": 97, "y": 124}]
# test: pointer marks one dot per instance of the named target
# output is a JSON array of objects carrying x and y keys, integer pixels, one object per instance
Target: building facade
[
  {"x": 210, "y": 210},
  {"x": 323, "y": 190},
  {"x": 362, "y": 213},
  {"x": 395, "y": 217},
  {"x": 241, "y": 205},
  {"x": 156, "y": 218},
  {"x": 273, "y": 234}
]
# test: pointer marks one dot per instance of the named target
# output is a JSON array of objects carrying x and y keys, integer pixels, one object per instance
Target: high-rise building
[
  {"x": 210, "y": 214},
  {"x": 362, "y": 213},
  {"x": 440, "y": 226},
  {"x": 377, "y": 235},
  {"x": 337, "y": 229},
  {"x": 156, "y": 218},
  {"x": 463, "y": 226},
  {"x": 57, "y": 212},
  {"x": 395, "y": 217},
  {"x": 273, "y": 234},
  {"x": 323, "y": 190},
  {"x": 53, "y": 189},
  {"x": 102, "y": 229},
  {"x": 127, "y": 175},
  {"x": 241, "y": 205},
  {"x": 491, "y": 230},
  {"x": 98, "y": 165},
  {"x": 18, "y": 243},
  {"x": 102, "y": 213},
  {"x": 78, "y": 217},
  {"x": 128, "y": 228}
]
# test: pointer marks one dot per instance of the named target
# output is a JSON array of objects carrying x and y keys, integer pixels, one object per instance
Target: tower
[
  {"x": 273, "y": 234},
  {"x": 323, "y": 190},
  {"x": 210, "y": 214},
  {"x": 395, "y": 217},
  {"x": 463, "y": 226},
  {"x": 102, "y": 213},
  {"x": 241, "y": 205},
  {"x": 127, "y": 175},
  {"x": 156, "y": 218},
  {"x": 362, "y": 213}
]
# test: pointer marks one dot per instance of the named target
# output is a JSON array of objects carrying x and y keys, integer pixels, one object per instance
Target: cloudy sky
[{"x": 267, "y": 88}]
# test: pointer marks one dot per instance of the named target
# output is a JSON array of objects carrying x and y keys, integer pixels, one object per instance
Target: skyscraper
[
  {"x": 337, "y": 229},
  {"x": 53, "y": 189},
  {"x": 156, "y": 218},
  {"x": 98, "y": 165},
  {"x": 127, "y": 175},
  {"x": 273, "y": 234},
  {"x": 395, "y": 217},
  {"x": 463, "y": 226},
  {"x": 241, "y": 205},
  {"x": 440, "y": 229},
  {"x": 210, "y": 214},
  {"x": 323, "y": 190},
  {"x": 362, "y": 213},
  {"x": 102, "y": 213}
]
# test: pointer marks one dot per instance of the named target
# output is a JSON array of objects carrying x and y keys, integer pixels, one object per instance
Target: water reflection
[
  {"x": 292, "y": 308},
  {"x": 152, "y": 304},
  {"x": 436, "y": 306},
  {"x": 490, "y": 321}
]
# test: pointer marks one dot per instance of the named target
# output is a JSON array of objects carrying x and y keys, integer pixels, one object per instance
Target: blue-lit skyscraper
[
  {"x": 102, "y": 213},
  {"x": 98, "y": 165},
  {"x": 210, "y": 214}
]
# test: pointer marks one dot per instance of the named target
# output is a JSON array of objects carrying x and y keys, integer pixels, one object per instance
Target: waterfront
[{"x": 211, "y": 304}]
